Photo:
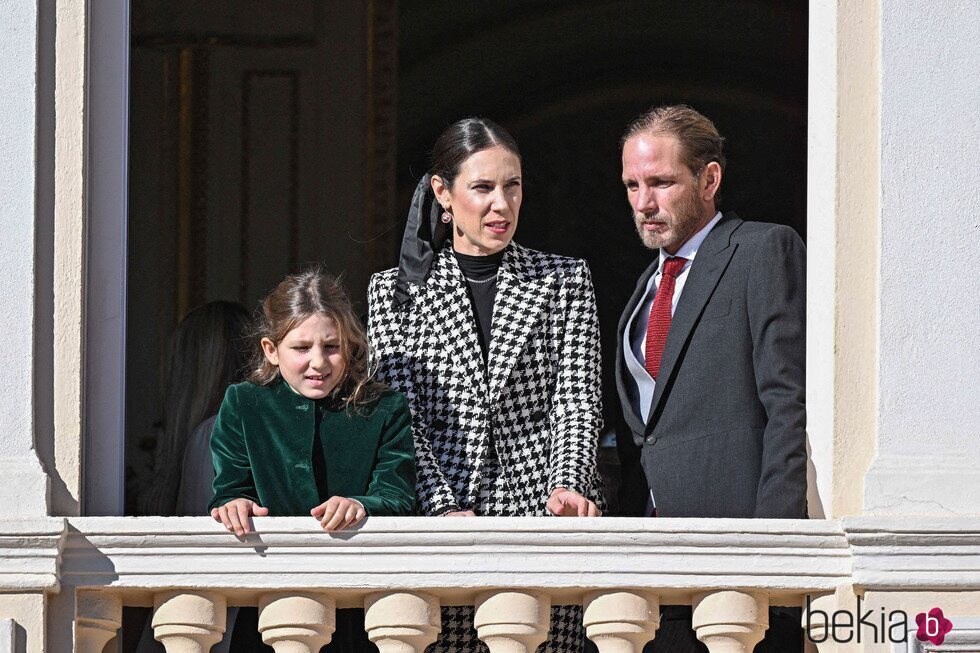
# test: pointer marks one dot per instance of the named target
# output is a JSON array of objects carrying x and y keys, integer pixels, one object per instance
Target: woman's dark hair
[
  {"x": 208, "y": 354},
  {"x": 299, "y": 297},
  {"x": 461, "y": 140}
]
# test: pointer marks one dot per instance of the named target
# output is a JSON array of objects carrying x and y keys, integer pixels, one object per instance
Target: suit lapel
[
  {"x": 712, "y": 258},
  {"x": 449, "y": 318},
  {"x": 623, "y": 375},
  {"x": 522, "y": 294}
]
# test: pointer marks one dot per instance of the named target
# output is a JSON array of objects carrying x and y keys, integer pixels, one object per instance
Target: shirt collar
[{"x": 690, "y": 249}]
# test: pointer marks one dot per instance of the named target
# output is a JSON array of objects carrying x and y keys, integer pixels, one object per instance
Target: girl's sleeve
[
  {"x": 232, "y": 468},
  {"x": 392, "y": 488},
  {"x": 576, "y": 409}
]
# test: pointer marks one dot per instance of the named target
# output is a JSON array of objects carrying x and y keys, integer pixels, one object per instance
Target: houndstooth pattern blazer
[{"x": 536, "y": 401}]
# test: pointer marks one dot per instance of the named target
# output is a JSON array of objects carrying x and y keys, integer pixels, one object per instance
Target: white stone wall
[
  {"x": 928, "y": 445},
  {"x": 17, "y": 136},
  {"x": 24, "y": 489}
]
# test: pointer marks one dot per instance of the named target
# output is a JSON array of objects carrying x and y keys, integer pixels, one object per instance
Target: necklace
[{"x": 487, "y": 280}]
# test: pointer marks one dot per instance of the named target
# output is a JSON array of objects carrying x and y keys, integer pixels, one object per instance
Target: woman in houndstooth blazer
[{"x": 496, "y": 347}]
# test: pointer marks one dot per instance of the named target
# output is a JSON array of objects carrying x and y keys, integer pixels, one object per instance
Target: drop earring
[{"x": 447, "y": 217}]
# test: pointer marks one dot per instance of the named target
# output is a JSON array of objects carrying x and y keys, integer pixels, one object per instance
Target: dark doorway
[
  {"x": 260, "y": 133},
  {"x": 565, "y": 78},
  {"x": 266, "y": 136}
]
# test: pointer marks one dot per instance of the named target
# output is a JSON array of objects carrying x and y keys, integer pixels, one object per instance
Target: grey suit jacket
[{"x": 726, "y": 434}]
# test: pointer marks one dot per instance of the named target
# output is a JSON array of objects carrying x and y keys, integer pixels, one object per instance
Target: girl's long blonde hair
[{"x": 299, "y": 297}]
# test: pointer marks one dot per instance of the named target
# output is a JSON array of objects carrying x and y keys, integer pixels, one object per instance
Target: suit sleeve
[
  {"x": 393, "y": 367},
  {"x": 777, "y": 324},
  {"x": 392, "y": 488},
  {"x": 576, "y": 408},
  {"x": 233, "y": 469}
]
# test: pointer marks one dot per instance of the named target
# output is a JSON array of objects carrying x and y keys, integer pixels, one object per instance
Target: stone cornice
[
  {"x": 914, "y": 553},
  {"x": 30, "y": 554},
  {"x": 447, "y": 555},
  {"x": 457, "y": 557}
]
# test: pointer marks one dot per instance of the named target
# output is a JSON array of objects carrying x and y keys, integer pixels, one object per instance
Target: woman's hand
[
  {"x": 236, "y": 515},
  {"x": 458, "y": 513},
  {"x": 566, "y": 503},
  {"x": 338, "y": 513}
]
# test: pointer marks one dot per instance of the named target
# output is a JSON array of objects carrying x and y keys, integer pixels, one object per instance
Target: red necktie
[{"x": 659, "y": 323}]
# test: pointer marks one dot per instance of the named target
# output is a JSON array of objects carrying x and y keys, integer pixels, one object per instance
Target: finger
[
  {"x": 214, "y": 514},
  {"x": 583, "y": 506},
  {"x": 345, "y": 516},
  {"x": 236, "y": 522},
  {"x": 359, "y": 516},
  {"x": 259, "y": 511},
  {"x": 328, "y": 511},
  {"x": 554, "y": 505},
  {"x": 223, "y": 517},
  {"x": 594, "y": 510},
  {"x": 318, "y": 510},
  {"x": 350, "y": 516},
  {"x": 244, "y": 514},
  {"x": 337, "y": 519}
]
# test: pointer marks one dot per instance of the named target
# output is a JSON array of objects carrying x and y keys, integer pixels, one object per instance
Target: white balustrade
[
  {"x": 188, "y": 622},
  {"x": 402, "y": 622},
  {"x": 817, "y": 625},
  {"x": 512, "y": 622},
  {"x": 621, "y": 621},
  {"x": 297, "y": 622},
  {"x": 511, "y": 569},
  {"x": 98, "y": 615},
  {"x": 730, "y": 621}
]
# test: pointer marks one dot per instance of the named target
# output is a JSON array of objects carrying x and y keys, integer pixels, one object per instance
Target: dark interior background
[
  {"x": 566, "y": 78},
  {"x": 269, "y": 135}
]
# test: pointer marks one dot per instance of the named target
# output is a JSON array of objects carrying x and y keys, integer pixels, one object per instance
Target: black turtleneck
[{"x": 480, "y": 273}]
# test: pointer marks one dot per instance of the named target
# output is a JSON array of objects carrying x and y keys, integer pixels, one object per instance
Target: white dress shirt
[{"x": 643, "y": 385}]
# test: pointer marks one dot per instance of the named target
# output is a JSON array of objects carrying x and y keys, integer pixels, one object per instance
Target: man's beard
[{"x": 680, "y": 226}]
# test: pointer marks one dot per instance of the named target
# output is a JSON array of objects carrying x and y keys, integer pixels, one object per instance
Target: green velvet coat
[{"x": 290, "y": 454}]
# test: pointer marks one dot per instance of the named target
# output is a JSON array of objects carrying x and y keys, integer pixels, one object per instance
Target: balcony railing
[{"x": 401, "y": 570}]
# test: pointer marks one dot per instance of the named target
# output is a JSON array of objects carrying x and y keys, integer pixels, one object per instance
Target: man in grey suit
[{"x": 710, "y": 351}]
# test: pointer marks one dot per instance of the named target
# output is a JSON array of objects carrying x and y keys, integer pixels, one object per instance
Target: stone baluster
[
  {"x": 817, "y": 625},
  {"x": 512, "y": 622},
  {"x": 98, "y": 616},
  {"x": 730, "y": 621},
  {"x": 621, "y": 621},
  {"x": 297, "y": 622},
  {"x": 399, "y": 622},
  {"x": 188, "y": 622}
]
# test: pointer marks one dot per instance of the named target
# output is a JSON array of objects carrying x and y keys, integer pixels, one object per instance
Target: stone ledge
[
  {"x": 30, "y": 554},
  {"x": 914, "y": 553},
  {"x": 458, "y": 557}
]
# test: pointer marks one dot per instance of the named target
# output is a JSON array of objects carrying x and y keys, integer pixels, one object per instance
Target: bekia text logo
[
  {"x": 933, "y": 626},
  {"x": 880, "y": 627}
]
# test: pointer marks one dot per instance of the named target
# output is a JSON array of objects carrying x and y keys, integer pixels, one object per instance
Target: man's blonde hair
[{"x": 699, "y": 139}]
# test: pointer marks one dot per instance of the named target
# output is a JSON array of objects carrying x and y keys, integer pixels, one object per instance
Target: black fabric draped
[{"x": 425, "y": 234}]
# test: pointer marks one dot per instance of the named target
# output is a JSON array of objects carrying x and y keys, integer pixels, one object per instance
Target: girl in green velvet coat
[{"x": 310, "y": 433}]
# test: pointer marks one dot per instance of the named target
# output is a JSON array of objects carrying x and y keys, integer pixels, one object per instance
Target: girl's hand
[
  {"x": 458, "y": 513},
  {"x": 236, "y": 514},
  {"x": 338, "y": 513},
  {"x": 566, "y": 503}
]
